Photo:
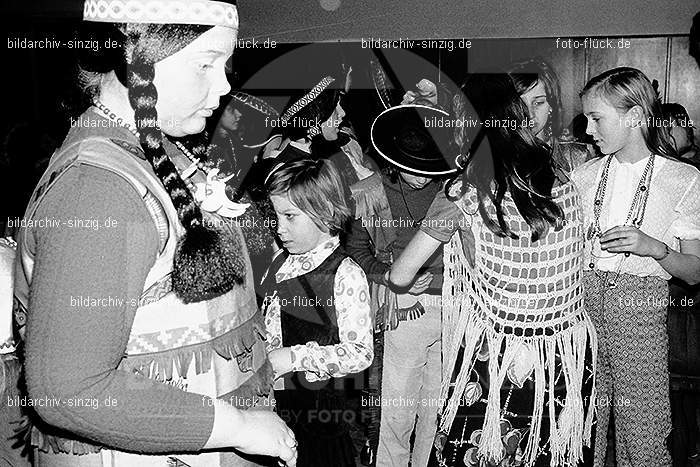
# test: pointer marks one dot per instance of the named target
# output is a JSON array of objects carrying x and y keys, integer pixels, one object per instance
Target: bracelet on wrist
[
  {"x": 667, "y": 251},
  {"x": 385, "y": 277}
]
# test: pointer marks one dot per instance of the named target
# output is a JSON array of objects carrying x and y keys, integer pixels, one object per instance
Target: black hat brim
[
  {"x": 411, "y": 138},
  {"x": 256, "y": 115}
]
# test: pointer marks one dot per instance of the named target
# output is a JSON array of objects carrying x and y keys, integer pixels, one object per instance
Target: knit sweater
[{"x": 74, "y": 343}]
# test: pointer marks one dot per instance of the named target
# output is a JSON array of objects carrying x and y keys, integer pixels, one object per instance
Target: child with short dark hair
[{"x": 317, "y": 311}]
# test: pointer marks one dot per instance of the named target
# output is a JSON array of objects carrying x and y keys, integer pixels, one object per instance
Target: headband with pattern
[
  {"x": 204, "y": 12},
  {"x": 306, "y": 100},
  {"x": 255, "y": 103}
]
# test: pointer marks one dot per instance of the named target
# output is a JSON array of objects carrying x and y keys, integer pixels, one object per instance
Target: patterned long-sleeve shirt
[{"x": 355, "y": 351}]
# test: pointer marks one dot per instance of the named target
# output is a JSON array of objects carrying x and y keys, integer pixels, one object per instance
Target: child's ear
[{"x": 637, "y": 116}]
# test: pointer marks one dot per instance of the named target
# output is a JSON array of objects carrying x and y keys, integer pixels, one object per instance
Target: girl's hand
[
  {"x": 281, "y": 361},
  {"x": 628, "y": 239},
  {"x": 409, "y": 97},
  {"x": 425, "y": 89}
]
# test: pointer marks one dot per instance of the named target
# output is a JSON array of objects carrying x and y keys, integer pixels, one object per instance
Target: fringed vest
[
  {"x": 372, "y": 207},
  {"x": 215, "y": 347},
  {"x": 525, "y": 300}
]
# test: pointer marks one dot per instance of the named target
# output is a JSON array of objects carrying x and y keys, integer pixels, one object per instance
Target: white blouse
[{"x": 672, "y": 212}]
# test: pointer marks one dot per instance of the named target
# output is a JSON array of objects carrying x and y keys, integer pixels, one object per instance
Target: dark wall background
[
  {"x": 37, "y": 83},
  {"x": 331, "y": 20},
  {"x": 662, "y": 58},
  {"x": 324, "y": 20}
]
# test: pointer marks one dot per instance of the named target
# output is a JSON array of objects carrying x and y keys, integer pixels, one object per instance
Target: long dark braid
[{"x": 207, "y": 262}]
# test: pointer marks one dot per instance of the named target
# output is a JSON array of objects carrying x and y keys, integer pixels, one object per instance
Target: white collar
[
  {"x": 302, "y": 145},
  {"x": 298, "y": 265}
]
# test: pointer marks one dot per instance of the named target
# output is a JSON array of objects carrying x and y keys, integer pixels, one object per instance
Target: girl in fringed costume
[
  {"x": 317, "y": 311},
  {"x": 143, "y": 329},
  {"x": 518, "y": 346},
  {"x": 642, "y": 213}
]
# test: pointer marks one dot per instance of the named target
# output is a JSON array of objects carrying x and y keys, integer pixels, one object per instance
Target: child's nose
[{"x": 589, "y": 128}]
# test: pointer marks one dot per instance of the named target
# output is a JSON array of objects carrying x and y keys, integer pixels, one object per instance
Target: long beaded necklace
[
  {"x": 211, "y": 195},
  {"x": 196, "y": 164},
  {"x": 635, "y": 216},
  {"x": 185, "y": 174},
  {"x": 115, "y": 118}
]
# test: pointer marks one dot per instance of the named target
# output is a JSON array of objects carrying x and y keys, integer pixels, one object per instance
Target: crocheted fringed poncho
[{"x": 524, "y": 300}]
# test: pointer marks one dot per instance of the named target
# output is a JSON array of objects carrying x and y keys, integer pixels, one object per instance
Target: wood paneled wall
[{"x": 664, "y": 59}]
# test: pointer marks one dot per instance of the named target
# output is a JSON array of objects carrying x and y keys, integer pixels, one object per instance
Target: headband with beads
[
  {"x": 306, "y": 100},
  {"x": 204, "y": 12}
]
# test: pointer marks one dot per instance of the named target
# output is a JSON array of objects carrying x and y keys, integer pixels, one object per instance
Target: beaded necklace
[
  {"x": 211, "y": 196},
  {"x": 185, "y": 174},
  {"x": 635, "y": 216},
  {"x": 113, "y": 117},
  {"x": 196, "y": 164}
]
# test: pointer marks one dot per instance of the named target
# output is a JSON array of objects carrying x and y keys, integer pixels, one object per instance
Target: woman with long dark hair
[
  {"x": 239, "y": 131},
  {"x": 538, "y": 86},
  {"x": 310, "y": 127},
  {"x": 682, "y": 132},
  {"x": 518, "y": 346},
  {"x": 142, "y": 329}
]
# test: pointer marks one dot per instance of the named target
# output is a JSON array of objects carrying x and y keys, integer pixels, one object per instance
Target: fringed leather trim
[
  {"x": 241, "y": 344},
  {"x": 237, "y": 343},
  {"x": 26, "y": 429},
  {"x": 369, "y": 197},
  {"x": 258, "y": 385},
  {"x": 388, "y": 317},
  {"x": 52, "y": 443}
]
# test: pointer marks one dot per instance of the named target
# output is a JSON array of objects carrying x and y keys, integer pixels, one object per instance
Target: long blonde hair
[{"x": 625, "y": 87}]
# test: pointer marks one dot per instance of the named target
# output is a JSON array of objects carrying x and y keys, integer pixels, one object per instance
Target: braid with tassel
[{"x": 207, "y": 262}]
